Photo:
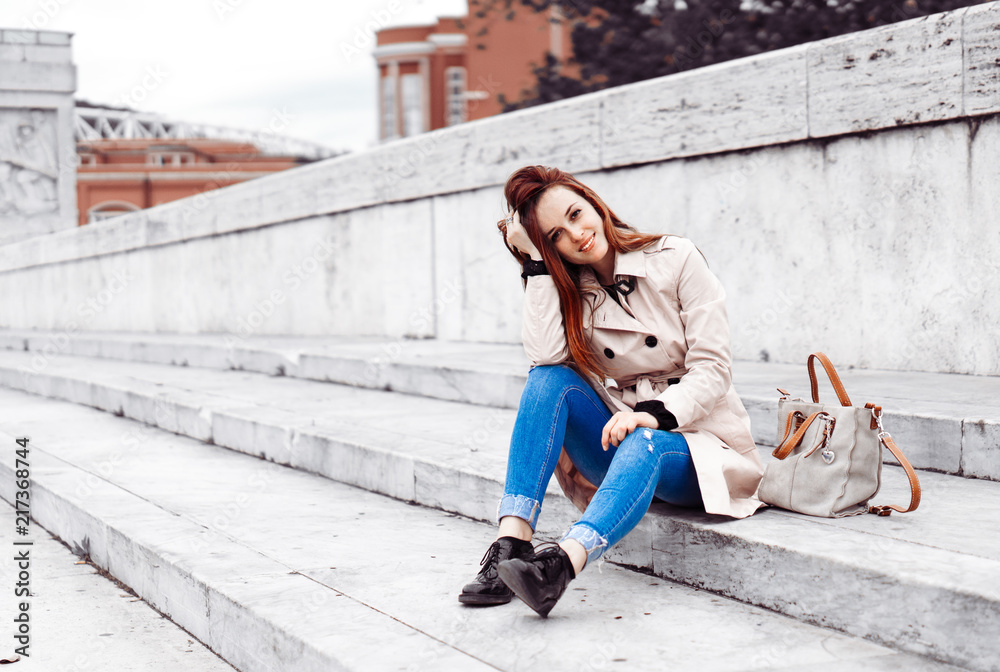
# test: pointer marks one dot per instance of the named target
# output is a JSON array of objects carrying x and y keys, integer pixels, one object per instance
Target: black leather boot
[
  {"x": 539, "y": 580},
  {"x": 488, "y": 588}
]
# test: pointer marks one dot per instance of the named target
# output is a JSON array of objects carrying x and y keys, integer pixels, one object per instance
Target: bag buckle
[
  {"x": 829, "y": 422},
  {"x": 882, "y": 510},
  {"x": 882, "y": 434}
]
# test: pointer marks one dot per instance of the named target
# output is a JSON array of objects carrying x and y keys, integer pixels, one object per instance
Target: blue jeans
[{"x": 559, "y": 409}]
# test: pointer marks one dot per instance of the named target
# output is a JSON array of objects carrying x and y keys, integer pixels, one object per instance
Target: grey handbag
[{"x": 829, "y": 459}]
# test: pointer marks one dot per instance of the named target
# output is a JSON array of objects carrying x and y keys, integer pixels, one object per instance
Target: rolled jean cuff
[
  {"x": 523, "y": 507},
  {"x": 589, "y": 539}
]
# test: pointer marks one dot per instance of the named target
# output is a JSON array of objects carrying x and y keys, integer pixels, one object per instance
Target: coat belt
[{"x": 634, "y": 389}]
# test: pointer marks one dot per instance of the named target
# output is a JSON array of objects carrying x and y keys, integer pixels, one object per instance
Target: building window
[
  {"x": 455, "y": 94},
  {"x": 413, "y": 104},
  {"x": 108, "y": 210},
  {"x": 169, "y": 158},
  {"x": 389, "y": 107}
]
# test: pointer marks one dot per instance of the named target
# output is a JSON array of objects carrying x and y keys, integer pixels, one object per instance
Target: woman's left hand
[{"x": 622, "y": 423}]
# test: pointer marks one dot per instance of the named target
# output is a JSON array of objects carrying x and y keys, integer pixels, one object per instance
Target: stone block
[
  {"x": 10, "y": 341},
  {"x": 13, "y": 36},
  {"x": 755, "y": 101},
  {"x": 161, "y": 571},
  {"x": 347, "y": 460},
  {"x": 981, "y": 40},
  {"x": 250, "y": 359},
  {"x": 345, "y": 182},
  {"x": 241, "y": 206},
  {"x": 54, "y": 37},
  {"x": 106, "y": 397},
  {"x": 263, "y": 432},
  {"x": 163, "y": 225},
  {"x": 928, "y": 442},
  {"x": 565, "y": 134},
  {"x": 636, "y": 548},
  {"x": 179, "y": 355},
  {"x": 33, "y": 76},
  {"x": 46, "y": 53},
  {"x": 354, "y": 371},
  {"x": 11, "y": 52},
  {"x": 185, "y": 416},
  {"x": 854, "y": 80},
  {"x": 440, "y": 486},
  {"x": 981, "y": 449}
]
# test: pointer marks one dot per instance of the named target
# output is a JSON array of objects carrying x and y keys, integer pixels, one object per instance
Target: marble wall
[
  {"x": 846, "y": 207},
  {"x": 37, "y": 150}
]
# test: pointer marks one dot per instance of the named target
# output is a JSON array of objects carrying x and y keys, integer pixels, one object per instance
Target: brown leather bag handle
[
  {"x": 788, "y": 445},
  {"x": 831, "y": 372},
  {"x": 911, "y": 475}
]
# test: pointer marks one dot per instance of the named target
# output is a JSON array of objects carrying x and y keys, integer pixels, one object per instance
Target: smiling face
[{"x": 573, "y": 226}]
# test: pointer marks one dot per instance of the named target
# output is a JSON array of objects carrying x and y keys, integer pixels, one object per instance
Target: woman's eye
[
  {"x": 555, "y": 236},
  {"x": 574, "y": 213}
]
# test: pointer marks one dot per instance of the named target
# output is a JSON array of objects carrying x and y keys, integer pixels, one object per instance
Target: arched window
[{"x": 109, "y": 209}]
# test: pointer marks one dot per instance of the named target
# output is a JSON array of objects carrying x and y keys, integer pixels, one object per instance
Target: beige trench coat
[{"x": 673, "y": 325}]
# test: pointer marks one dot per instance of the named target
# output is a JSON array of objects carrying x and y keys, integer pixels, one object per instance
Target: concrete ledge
[
  {"x": 981, "y": 41},
  {"x": 724, "y": 107},
  {"x": 925, "y": 53},
  {"x": 38, "y": 75},
  {"x": 15, "y": 36},
  {"x": 720, "y": 108},
  {"x": 935, "y": 564},
  {"x": 943, "y": 422}
]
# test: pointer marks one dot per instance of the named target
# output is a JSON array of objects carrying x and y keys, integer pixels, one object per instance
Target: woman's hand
[
  {"x": 622, "y": 423},
  {"x": 517, "y": 237}
]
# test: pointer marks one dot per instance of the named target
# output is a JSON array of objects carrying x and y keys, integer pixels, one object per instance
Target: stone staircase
[{"x": 243, "y": 553}]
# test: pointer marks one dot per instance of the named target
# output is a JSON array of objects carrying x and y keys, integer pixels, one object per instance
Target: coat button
[
  {"x": 609, "y": 353},
  {"x": 651, "y": 341}
]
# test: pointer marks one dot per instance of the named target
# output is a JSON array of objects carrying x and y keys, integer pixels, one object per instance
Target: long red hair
[{"x": 522, "y": 192}]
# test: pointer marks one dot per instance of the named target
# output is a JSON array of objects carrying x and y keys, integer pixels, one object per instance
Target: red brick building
[
  {"x": 455, "y": 70},
  {"x": 117, "y": 176}
]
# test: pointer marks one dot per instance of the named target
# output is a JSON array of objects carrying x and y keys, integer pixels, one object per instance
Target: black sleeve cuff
[
  {"x": 533, "y": 267},
  {"x": 655, "y": 408}
]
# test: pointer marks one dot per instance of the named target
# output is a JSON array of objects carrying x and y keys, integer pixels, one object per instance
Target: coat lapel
[{"x": 609, "y": 315}]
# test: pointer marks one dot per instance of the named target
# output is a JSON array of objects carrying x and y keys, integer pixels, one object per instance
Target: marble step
[
  {"x": 278, "y": 569},
  {"x": 944, "y": 422},
  {"x": 923, "y": 582},
  {"x": 81, "y": 619}
]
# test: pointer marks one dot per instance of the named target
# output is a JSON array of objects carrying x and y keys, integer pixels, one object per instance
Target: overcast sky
[{"x": 239, "y": 63}]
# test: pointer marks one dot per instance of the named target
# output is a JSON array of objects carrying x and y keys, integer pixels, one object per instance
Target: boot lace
[
  {"x": 490, "y": 561},
  {"x": 552, "y": 557},
  {"x": 549, "y": 553}
]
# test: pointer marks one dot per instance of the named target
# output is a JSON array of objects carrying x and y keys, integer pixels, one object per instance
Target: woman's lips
[{"x": 586, "y": 247}]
